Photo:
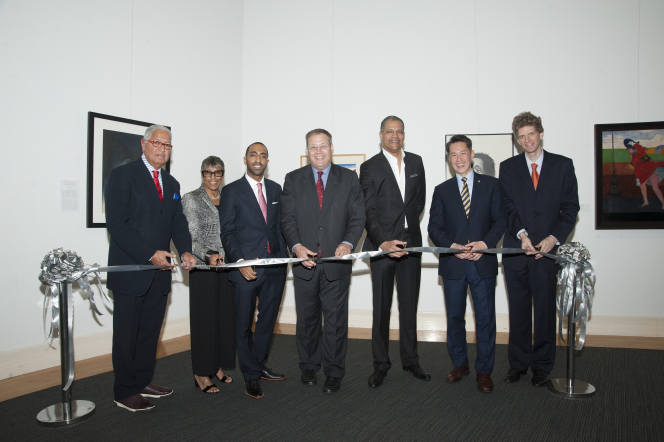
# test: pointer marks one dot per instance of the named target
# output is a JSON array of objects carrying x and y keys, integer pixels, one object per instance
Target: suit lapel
[
  {"x": 146, "y": 178},
  {"x": 251, "y": 196},
  {"x": 478, "y": 193},
  {"x": 309, "y": 186},
  {"x": 330, "y": 189},
  {"x": 206, "y": 199},
  {"x": 548, "y": 169},
  {"x": 387, "y": 169},
  {"x": 456, "y": 195},
  {"x": 410, "y": 170},
  {"x": 524, "y": 174}
]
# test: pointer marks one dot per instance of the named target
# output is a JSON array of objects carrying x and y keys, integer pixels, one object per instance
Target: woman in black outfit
[{"x": 211, "y": 295}]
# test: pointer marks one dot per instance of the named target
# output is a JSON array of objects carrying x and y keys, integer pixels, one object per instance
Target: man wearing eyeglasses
[
  {"x": 251, "y": 229},
  {"x": 322, "y": 215},
  {"x": 143, "y": 215}
]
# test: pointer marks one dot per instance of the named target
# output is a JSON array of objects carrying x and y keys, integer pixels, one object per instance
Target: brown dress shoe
[
  {"x": 135, "y": 403},
  {"x": 457, "y": 373},
  {"x": 484, "y": 383},
  {"x": 156, "y": 391}
]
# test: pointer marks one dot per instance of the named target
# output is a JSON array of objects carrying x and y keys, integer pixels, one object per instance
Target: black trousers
[
  {"x": 137, "y": 323},
  {"x": 253, "y": 347},
  {"x": 212, "y": 321},
  {"x": 532, "y": 293},
  {"x": 407, "y": 270},
  {"x": 326, "y": 343}
]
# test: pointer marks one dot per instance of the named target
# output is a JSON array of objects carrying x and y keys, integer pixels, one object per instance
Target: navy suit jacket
[
  {"x": 140, "y": 224},
  {"x": 549, "y": 210},
  {"x": 448, "y": 224},
  {"x": 385, "y": 209},
  {"x": 244, "y": 233}
]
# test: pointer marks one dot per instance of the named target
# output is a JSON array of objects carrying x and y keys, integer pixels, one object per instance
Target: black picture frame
[
  {"x": 112, "y": 141},
  {"x": 619, "y": 201}
]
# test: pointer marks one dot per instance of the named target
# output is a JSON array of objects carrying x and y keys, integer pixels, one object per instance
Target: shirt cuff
[
  {"x": 518, "y": 234},
  {"x": 351, "y": 246}
]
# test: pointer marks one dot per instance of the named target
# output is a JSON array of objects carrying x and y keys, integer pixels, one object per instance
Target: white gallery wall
[{"x": 224, "y": 74}]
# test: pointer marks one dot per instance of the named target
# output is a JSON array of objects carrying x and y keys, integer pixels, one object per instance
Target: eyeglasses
[
  {"x": 322, "y": 148},
  {"x": 159, "y": 144},
  {"x": 208, "y": 174}
]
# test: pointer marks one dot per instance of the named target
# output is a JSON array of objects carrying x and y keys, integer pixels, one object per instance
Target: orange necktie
[{"x": 535, "y": 175}]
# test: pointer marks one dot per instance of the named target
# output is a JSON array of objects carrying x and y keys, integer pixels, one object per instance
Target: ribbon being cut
[{"x": 61, "y": 267}]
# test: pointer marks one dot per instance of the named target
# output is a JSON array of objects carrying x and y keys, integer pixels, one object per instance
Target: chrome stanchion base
[
  {"x": 55, "y": 414},
  {"x": 580, "y": 389}
]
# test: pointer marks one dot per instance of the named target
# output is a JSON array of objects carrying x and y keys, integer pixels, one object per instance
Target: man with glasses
[
  {"x": 322, "y": 215},
  {"x": 394, "y": 189},
  {"x": 143, "y": 215},
  {"x": 251, "y": 228}
]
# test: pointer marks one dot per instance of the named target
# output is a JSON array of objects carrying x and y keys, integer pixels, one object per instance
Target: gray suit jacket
[
  {"x": 203, "y": 219},
  {"x": 340, "y": 219}
]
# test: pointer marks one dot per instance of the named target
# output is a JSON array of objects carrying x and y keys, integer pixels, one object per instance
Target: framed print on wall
[
  {"x": 112, "y": 141},
  {"x": 490, "y": 150},
  {"x": 629, "y": 176},
  {"x": 352, "y": 161}
]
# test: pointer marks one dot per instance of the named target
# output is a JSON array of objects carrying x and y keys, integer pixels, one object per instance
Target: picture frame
[
  {"x": 112, "y": 141},
  {"x": 624, "y": 195},
  {"x": 350, "y": 161},
  {"x": 490, "y": 150}
]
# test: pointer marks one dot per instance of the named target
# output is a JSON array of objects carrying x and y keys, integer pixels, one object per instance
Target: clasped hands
[
  {"x": 343, "y": 249},
  {"x": 161, "y": 257},
  {"x": 545, "y": 246},
  {"x": 471, "y": 249}
]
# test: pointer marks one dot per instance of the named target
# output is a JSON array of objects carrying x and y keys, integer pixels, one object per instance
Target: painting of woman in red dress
[{"x": 647, "y": 172}]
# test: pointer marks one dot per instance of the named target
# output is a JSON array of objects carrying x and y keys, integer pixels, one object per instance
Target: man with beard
[{"x": 250, "y": 229}]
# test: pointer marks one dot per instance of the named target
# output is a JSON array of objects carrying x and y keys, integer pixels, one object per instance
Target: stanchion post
[{"x": 67, "y": 411}]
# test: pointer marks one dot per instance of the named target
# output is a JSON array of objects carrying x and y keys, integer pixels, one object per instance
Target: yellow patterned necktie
[{"x": 465, "y": 197}]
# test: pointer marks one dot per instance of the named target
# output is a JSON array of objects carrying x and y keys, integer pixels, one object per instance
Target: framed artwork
[
  {"x": 112, "y": 141},
  {"x": 490, "y": 150},
  {"x": 351, "y": 161},
  {"x": 629, "y": 175}
]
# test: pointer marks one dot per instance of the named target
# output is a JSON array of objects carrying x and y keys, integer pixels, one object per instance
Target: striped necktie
[{"x": 465, "y": 197}]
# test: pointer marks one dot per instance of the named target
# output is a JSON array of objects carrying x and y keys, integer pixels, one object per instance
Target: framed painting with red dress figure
[{"x": 629, "y": 175}]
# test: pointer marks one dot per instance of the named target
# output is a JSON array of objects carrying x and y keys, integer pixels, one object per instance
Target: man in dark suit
[
  {"x": 466, "y": 213},
  {"x": 322, "y": 214},
  {"x": 251, "y": 228},
  {"x": 541, "y": 200},
  {"x": 394, "y": 189},
  {"x": 143, "y": 214}
]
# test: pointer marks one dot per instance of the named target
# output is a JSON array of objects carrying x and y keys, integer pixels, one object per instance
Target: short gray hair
[
  {"x": 212, "y": 161},
  {"x": 391, "y": 118},
  {"x": 150, "y": 130}
]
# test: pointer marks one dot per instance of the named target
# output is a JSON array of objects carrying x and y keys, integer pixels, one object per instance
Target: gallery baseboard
[{"x": 38, "y": 357}]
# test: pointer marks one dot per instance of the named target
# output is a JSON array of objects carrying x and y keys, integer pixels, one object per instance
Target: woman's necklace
[{"x": 215, "y": 198}]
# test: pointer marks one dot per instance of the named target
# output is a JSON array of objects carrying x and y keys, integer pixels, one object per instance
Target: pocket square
[
  {"x": 414, "y": 175},
  {"x": 176, "y": 196}
]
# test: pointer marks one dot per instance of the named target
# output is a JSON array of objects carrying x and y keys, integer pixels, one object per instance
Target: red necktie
[
  {"x": 535, "y": 175},
  {"x": 321, "y": 191},
  {"x": 263, "y": 204},
  {"x": 156, "y": 183}
]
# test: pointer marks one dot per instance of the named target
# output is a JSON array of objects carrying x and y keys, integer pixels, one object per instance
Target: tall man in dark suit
[
  {"x": 251, "y": 228},
  {"x": 322, "y": 214},
  {"x": 541, "y": 203},
  {"x": 143, "y": 214},
  {"x": 466, "y": 213},
  {"x": 394, "y": 189}
]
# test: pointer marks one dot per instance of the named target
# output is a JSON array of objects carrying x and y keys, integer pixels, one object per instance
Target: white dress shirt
[
  {"x": 399, "y": 175},
  {"x": 254, "y": 186}
]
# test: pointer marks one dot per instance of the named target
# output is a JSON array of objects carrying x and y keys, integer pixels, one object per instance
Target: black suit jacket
[
  {"x": 385, "y": 209},
  {"x": 140, "y": 224},
  {"x": 244, "y": 233},
  {"x": 551, "y": 210},
  {"x": 485, "y": 222},
  {"x": 340, "y": 219}
]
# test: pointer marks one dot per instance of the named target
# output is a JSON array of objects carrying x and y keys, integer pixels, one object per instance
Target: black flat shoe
[
  {"x": 206, "y": 389},
  {"x": 376, "y": 379},
  {"x": 539, "y": 378},
  {"x": 309, "y": 377},
  {"x": 269, "y": 375},
  {"x": 418, "y": 372},
  {"x": 253, "y": 389},
  {"x": 332, "y": 385},
  {"x": 513, "y": 375}
]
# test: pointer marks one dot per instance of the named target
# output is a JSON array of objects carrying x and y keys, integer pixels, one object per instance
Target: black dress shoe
[
  {"x": 332, "y": 384},
  {"x": 135, "y": 403},
  {"x": 309, "y": 377},
  {"x": 376, "y": 379},
  {"x": 418, "y": 372},
  {"x": 269, "y": 375},
  {"x": 539, "y": 378},
  {"x": 253, "y": 388},
  {"x": 156, "y": 391},
  {"x": 513, "y": 375}
]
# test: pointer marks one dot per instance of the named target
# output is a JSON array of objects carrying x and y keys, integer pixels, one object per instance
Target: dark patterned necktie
[{"x": 465, "y": 197}]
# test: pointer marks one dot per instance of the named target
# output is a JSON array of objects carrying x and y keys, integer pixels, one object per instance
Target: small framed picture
[
  {"x": 112, "y": 141},
  {"x": 629, "y": 176},
  {"x": 490, "y": 150},
  {"x": 351, "y": 161}
]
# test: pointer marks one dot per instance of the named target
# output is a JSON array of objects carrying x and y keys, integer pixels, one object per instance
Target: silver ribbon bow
[{"x": 576, "y": 281}]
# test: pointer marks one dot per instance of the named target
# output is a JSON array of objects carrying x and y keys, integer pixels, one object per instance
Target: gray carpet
[{"x": 628, "y": 404}]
